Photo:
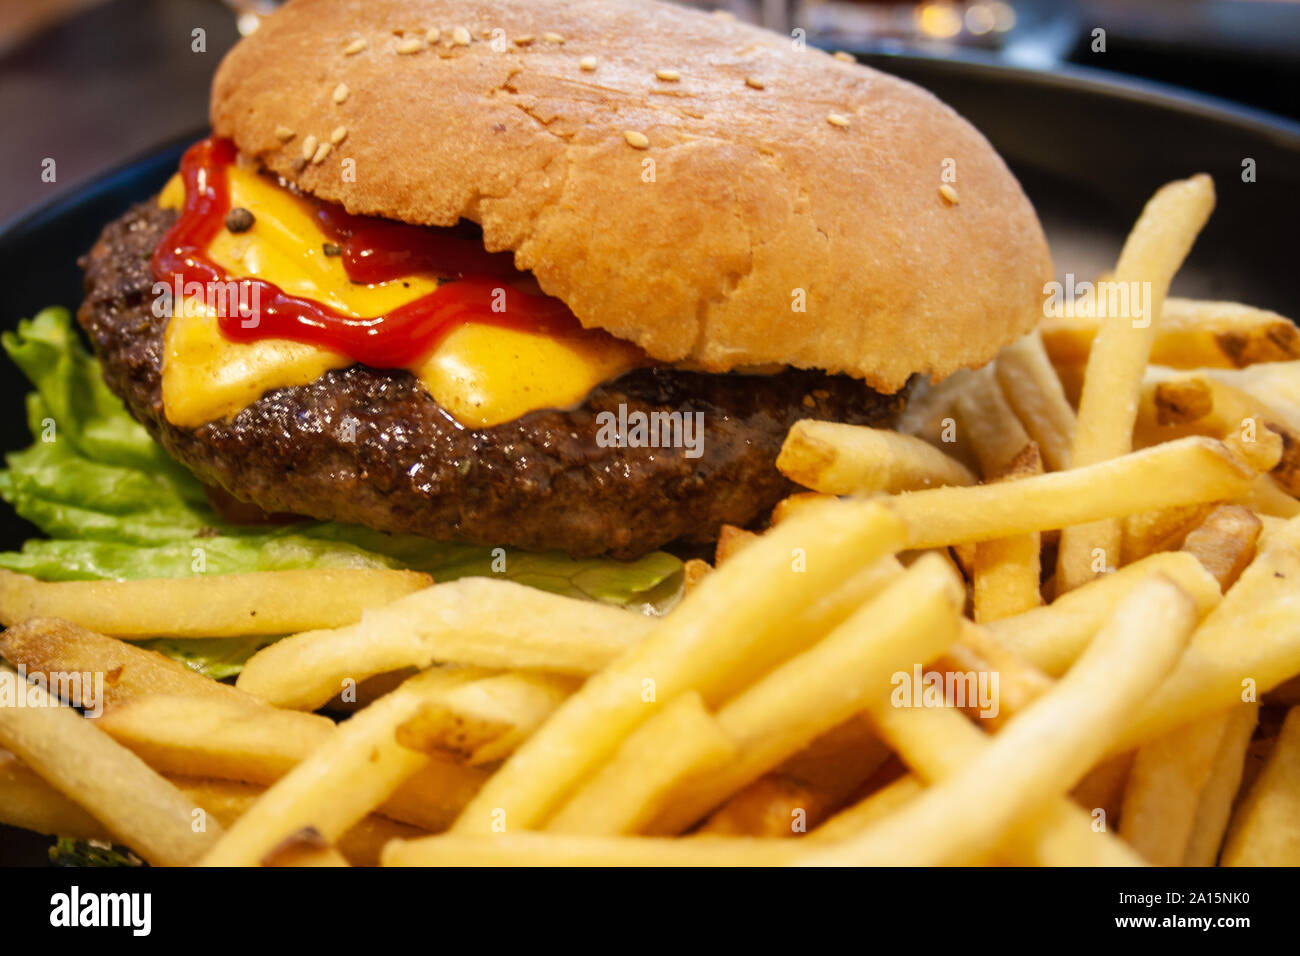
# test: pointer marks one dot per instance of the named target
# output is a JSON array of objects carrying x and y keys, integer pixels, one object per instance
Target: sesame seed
[
  {"x": 341, "y": 92},
  {"x": 433, "y": 34},
  {"x": 668, "y": 76},
  {"x": 322, "y": 151},
  {"x": 283, "y": 134},
  {"x": 844, "y": 57},
  {"x": 587, "y": 63},
  {"x": 308, "y": 147},
  {"x": 460, "y": 36},
  {"x": 413, "y": 45},
  {"x": 298, "y": 164},
  {"x": 755, "y": 83},
  {"x": 808, "y": 401},
  {"x": 552, "y": 37},
  {"x": 948, "y": 193},
  {"x": 355, "y": 47},
  {"x": 636, "y": 140},
  {"x": 837, "y": 119},
  {"x": 524, "y": 39},
  {"x": 339, "y": 135}
]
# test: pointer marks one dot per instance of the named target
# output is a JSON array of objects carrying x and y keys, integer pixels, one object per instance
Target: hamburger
[{"x": 548, "y": 275}]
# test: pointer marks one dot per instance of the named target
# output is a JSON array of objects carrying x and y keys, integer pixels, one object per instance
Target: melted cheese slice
[{"x": 481, "y": 374}]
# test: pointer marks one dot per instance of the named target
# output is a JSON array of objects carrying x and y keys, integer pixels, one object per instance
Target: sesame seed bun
[{"x": 692, "y": 214}]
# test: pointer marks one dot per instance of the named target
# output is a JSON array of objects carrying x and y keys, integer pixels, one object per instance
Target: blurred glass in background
[{"x": 1244, "y": 50}]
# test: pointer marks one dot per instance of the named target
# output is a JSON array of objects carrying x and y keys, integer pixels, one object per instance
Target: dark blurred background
[{"x": 89, "y": 83}]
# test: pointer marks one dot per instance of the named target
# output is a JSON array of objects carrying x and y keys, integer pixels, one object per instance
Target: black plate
[{"x": 1088, "y": 150}]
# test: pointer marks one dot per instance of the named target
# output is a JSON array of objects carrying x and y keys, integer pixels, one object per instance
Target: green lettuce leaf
[
  {"x": 114, "y": 505},
  {"x": 68, "y": 851},
  {"x": 215, "y": 657}
]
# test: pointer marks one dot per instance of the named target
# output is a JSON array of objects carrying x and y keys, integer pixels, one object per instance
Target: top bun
[{"x": 693, "y": 211}]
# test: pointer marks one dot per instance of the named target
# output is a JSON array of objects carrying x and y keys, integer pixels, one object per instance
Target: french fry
[
  {"x": 730, "y": 540},
  {"x": 1164, "y": 788},
  {"x": 205, "y": 737},
  {"x": 435, "y": 729},
  {"x": 807, "y": 788},
  {"x": 962, "y": 556},
  {"x": 474, "y": 621},
  {"x": 1286, "y": 694},
  {"x": 791, "y": 504},
  {"x": 1270, "y": 528},
  {"x": 682, "y": 740},
  {"x": 49, "y": 646},
  {"x": 1154, "y": 250},
  {"x": 1102, "y": 788},
  {"x": 838, "y": 459},
  {"x": 1052, "y": 637},
  {"x": 351, "y": 699},
  {"x": 1169, "y": 403},
  {"x": 1267, "y": 451},
  {"x": 228, "y": 800},
  {"x": 1266, "y": 497},
  {"x": 1258, "y": 752},
  {"x": 809, "y": 624},
  {"x": 1265, "y": 828},
  {"x": 1034, "y": 392},
  {"x": 220, "y": 605},
  {"x": 695, "y": 571},
  {"x": 29, "y": 802},
  {"x": 434, "y": 795},
  {"x": 1215, "y": 805},
  {"x": 1040, "y": 753},
  {"x": 1192, "y": 334},
  {"x": 214, "y": 737},
  {"x": 1070, "y": 376},
  {"x": 1006, "y": 571},
  {"x": 1161, "y": 530},
  {"x": 133, "y": 803},
  {"x": 484, "y": 720},
  {"x": 1225, "y": 542},
  {"x": 1219, "y": 665},
  {"x": 1019, "y": 682},
  {"x": 774, "y": 806},
  {"x": 1274, "y": 384},
  {"x": 522, "y": 848},
  {"x": 1241, "y": 334},
  {"x": 884, "y": 802},
  {"x": 989, "y": 425},
  {"x": 737, "y": 621},
  {"x": 363, "y": 752},
  {"x": 1186, "y": 471},
  {"x": 1201, "y": 405},
  {"x": 912, "y": 621},
  {"x": 944, "y": 554},
  {"x": 938, "y": 743},
  {"x": 839, "y": 762},
  {"x": 305, "y": 848}
]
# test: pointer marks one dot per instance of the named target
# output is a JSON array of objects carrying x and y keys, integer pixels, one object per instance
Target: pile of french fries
[{"x": 1101, "y": 526}]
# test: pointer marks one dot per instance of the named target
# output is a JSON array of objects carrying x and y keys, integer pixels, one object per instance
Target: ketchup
[{"x": 373, "y": 250}]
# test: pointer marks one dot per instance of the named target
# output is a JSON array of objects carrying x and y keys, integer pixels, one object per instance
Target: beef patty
[{"x": 370, "y": 446}]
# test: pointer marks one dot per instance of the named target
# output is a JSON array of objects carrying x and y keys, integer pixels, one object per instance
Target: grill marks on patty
[{"x": 540, "y": 482}]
